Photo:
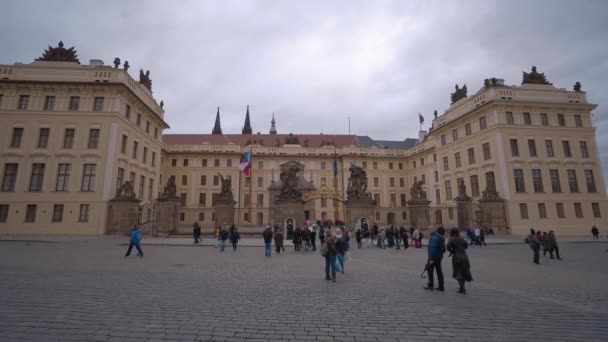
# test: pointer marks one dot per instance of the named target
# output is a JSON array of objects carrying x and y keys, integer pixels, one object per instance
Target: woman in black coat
[{"x": 460, "y": 261}]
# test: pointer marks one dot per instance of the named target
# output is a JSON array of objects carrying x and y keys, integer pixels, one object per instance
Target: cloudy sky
[{"x": 314, "y": 64}]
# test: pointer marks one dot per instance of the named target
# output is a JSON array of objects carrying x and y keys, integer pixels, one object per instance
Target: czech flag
[{"x": 245, "y": 163}]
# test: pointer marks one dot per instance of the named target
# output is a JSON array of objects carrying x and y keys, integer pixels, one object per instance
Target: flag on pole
[
  {"x": 335, "y": 163},
  {"x": 420, "y": 118},
  {"x": 245, "y": 163}
]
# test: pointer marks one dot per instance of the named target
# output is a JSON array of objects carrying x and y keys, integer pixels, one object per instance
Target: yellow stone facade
[{"x": 72, "y": 133}]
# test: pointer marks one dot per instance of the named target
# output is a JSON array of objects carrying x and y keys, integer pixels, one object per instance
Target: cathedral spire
[
  {"x": 273, "y": 129},
  {"x": 247, "y": 127},
  {"x": 217, "y": 129}
]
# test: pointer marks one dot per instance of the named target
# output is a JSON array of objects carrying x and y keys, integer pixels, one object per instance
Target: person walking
[
  {"x": 358, "y": 237},
  {"x": 322, "y": 234},
  {"x": 478, "y": 236},
  {"x": 278, "y": 242},
  {"x": 267, "y": 235},
  {"x": 223, "y": 237},
  {"x": 534, "y": 244},
  {"x": 341, "y": 248},
  {"x": 306, "y": 238},
  {"x": 217, "y": 236},
  {"x": 196, "y": 232},
  {"x": 482, "y": 237},
  {"x": 235, "y": 236},
  {"x": 329, "y": 250},
  {"x": 297, "y": 239},
  {"x": 404, "y": 237},
  {"x": 436, "y": 249},
  {"x": 595, "y": 232},
  {"x": 551, "y": 245},
  {"x": 390, "y": 236},
  {"x": 460, "y": 261},
  {"x": 134, "y": 240},
  {"x": 313, "y": 237},
  {"x": 397, "y": 234},
  {"x": 544, "y": 243}
]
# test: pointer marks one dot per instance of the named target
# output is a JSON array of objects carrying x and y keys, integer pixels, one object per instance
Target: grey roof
[{"x": 367, "y": 142}]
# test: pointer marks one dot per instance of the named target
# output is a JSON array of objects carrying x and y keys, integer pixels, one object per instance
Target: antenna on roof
[{"x": 349, "y": 125}]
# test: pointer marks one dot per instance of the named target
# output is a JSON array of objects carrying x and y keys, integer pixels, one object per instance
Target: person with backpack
[
  {"x": 235, "y": 236},
  {"x": 267, "y": 235},
  {"x": 278, "y": 241},
  {"x": 329, "y": 250},
  {"x": 223, "y": 237},
  {"x": 196, "y": 232},
  {"x": 134, "y": 240},
  {"x": 436, "y": 249}
]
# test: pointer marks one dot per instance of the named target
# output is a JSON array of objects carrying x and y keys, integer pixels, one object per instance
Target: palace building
[{"x": 75, "y": 133}]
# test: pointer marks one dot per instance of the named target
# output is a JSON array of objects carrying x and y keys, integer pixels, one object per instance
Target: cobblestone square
[{"x": 87, "y": 291}]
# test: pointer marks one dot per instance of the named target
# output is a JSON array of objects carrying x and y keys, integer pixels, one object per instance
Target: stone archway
[
  {"x": 289, "y": 227},
  {"x": 390, "y": 218}
]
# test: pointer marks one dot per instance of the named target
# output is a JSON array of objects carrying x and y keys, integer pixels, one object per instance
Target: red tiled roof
[{"x": 268, "y": 140}]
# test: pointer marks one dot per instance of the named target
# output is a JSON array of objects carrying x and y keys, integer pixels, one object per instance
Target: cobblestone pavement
[{"x": 86, "y": 291}]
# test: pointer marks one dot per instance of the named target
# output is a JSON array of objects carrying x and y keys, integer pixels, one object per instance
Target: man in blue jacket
[
  {"x": 436, "y": 249},
  {"x": 134, "y": 240}
]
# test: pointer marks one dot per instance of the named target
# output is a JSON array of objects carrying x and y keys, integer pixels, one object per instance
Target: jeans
[
  {"x": 436, "y": 266},
  {"x": 222, "y": 245},
  {"x": 330, "y": 264},
  {"x": 234, "y": 245},
  {"x": 536, "y": 255},
  {"x": 267, "y": 249},
  {"x": 139, "y": 251}
]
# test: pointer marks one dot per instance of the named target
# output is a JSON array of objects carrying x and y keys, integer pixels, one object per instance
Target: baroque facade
[{"x": 75, "y": 133}]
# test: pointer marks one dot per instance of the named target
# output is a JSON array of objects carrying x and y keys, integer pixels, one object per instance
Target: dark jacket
[
  {"x": 436, "y": 247},
  {"x": 267, "y": 235},
  {"x": 533, "y": 242},
  {"x": 297, "y": 236},
  {"x": 224, "y": 235},
  {"x": 550, "y": 241},
  {"x": 196, "y": 230},
  {"x": 358, "y": 234},
  {"x": 235, "y": 236},
  {"x": 460, "y": 261},
  {"x": 278, "y": 239}
]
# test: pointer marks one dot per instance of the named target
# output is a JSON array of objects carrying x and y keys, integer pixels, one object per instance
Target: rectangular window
[
  {"x": 43, "y": 137},
  {"x": 421, "y": 161},
  {"x": 446, "y": 164},
  {"x": 150, "y": 188},
  {"x": 595, "y": 207},
  {"x": 83, "y": 215},
  {"x": 402, "y": 182},
  {"x": 57, "y": 213},
  {"x": 457, "y": 159},
  {"x": 567, "y": 152},
  {"x": 183, "y": 198},
  {"x": 537, "y": 180},
  {"x": 584, "y": 151},
  {"x": 123, "y": 144},
  {"x": 88, "y": 177},
  {"x": 376, "y": 182},
  {"x": 138, "y": 120},
  {"x": 561, "y": 120},
  {"x": 578, "y": 210},
  {"x": 98, "y": 104},
  {"x": 544, "y": 119},
  {"x": 443, "y": 140},
  {"x": 520, "y": 185},
  {"x": 549, "y": 147},
  {"x": 202, "y": 199},
  {"x": 448, "y": 189},
  {"x": 514, "y": 148},
  {"x": 4, "y": 208},
  {"x": 377, "y": 199},
  {"x": 454, "y": 134},
  {"x": 400, "y": 166},
  {"x": 475, "y": 186},
  {"x": 260, "y": 200},
  {"x": 216, "y": 163},
  {"x": 555, "y": 183},
  {"x": 147, "y": 126},
  {"x": 93, "y": 138},
  {"x": 155, "y": 132},
  {"x": 438, "y": 196},
  {"x": 572, "y": 182},
  {"x": 37, "y": 177},
  {"x": 482, "y": 123},
  {"x": 68, "y": 137},
  {"x": 559, "y": 207},
  {"x": 173, "y": 162},
  {"x": 49, "y": 103},
  {"x": 17, "y": 136},
  {"x": 145, "y": 158},
  {"x": 509, "y": 116},
  {"x": 260, "y": 164},
  {"x": 184, "y": 180},
  {"x": 24, "y": 101},
  {"x": 451, "y": 213},
  {"x": 527, "y": 119},
  {"x": 30, "y": 213},
  {"x": 487, "y": 154},
  {"x": 523, "y": 210},
  {"x": 204, "y": 162},
  {"x": 436, "y": 176},
  {"x": 471, "y": 152},
  {"x": 203, "y": 180},
  {"x": 414, "y": 164},
  {"x": 364, "y": 165},
  {"x": 375, "y": 165},
  {"x": 74, "y": 103},
  {"x": 135, "y": 148},
  {"x": 542, "y": 210},
  {"x": 390, "y": 165},
  {"x": 185, "y": 162},
  {"x": 402, "y": 198},
  {"x": 323, "y": 166},
  {"x": 153, "y": 159},
  {"x": 391, "y": 182},
  {"x": 490, "y": 181},
  {"x": 260, "y": 182},
  {"x": 323, "y": 202},
  {"x": 142, "y": 184},
  {"x": 128, "y": 112},
  {"x": 467, "y": 129},
  {"x": 120, "y": 178},
  {"x": 590, "y": 180},
  {"x": 216, "y": 180},
  {"x": 393, "y": 200},
  {"x": 532, "y": 148},
  {"x": 229, "y": 163},
  {"x": 63, "y": 177},
  {"x": 578, "y": 120}
]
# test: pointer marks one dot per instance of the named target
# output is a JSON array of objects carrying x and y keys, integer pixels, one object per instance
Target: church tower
[
  {"x": 273, "y": 129},
  {"x": 217, "y": 129},
  {"x": 247, "y": 127}
]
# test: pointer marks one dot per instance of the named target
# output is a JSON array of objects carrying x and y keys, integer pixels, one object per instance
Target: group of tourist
[{"x": 544, "y": 240}]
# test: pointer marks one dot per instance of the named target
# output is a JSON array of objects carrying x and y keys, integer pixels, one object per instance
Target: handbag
[{"x": 324, "y": 250}]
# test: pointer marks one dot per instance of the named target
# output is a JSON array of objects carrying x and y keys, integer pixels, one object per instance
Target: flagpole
[{"x": 250, "y": 178}]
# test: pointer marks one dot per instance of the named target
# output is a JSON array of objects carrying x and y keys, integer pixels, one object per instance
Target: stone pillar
[
  {"x": 167, "y": 216},
  {"x": 123, "y": 214},
  {"x": 224, "y": 212},
  {"x": 493, "y": 215},
  {"x": 419, "y": 213},
  {"x": 289, "y": 208},
  {"x": 464, "y": 212},
  {"x": 355, "y": 209}
]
